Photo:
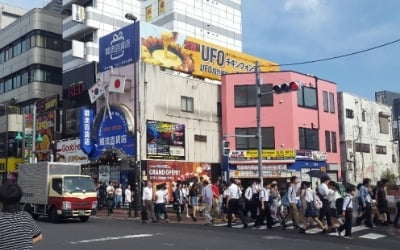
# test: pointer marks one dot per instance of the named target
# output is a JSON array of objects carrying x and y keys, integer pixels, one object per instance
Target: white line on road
[
  {"x": 372, "y": 236},
  {"x": 113, "y": 238}
]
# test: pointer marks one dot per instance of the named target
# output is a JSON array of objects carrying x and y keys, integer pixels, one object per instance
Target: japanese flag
[
  {"x": 96, "y": 91},
  {"x": 117, "y": 84}
]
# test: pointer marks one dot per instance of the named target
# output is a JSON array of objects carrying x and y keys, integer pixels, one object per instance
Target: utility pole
[{"x": 258, "y": 117}]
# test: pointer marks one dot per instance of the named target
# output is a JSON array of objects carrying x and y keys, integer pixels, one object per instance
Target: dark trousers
[
  {"x": 348, "y": 219},
  {"x": 265, "y": 214},
  {"x": 160, "y": 209},
  {"x": 254, "y": 206},
  {"x": 367, "y": 215},
  {"x": 325, "y": 211},
  {"x": 179, "y": 209},
  {"x": 396, "y": 219},
  {"x": 233, "y": 208},
  {"x": 247, "y": 207}
]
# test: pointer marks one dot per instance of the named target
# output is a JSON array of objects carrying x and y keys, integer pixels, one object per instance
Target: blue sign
[
  {"x": 299, "y": 164},
  {"x": 114, "y": 133},
  {"x": 86, "y": 122},
  {"x": 119, "y": 48}
]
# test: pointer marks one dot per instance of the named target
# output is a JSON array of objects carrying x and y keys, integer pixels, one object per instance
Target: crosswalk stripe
[
  {"x": 353, "y": 230},
  {"x": 313, "y": 230},
  {"x": 372, "y": 236}
]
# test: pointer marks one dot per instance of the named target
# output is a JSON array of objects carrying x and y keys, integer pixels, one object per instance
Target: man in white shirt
[
  {"x": 148, "y": 206},
  {"x": 110, "y": 190},
  {"x": 234, "y": 194},
  {"x": 128, "y": 198},
  {"x": 293, "y": 200},
  {"x": 325, "y": 211},
  {"x": 248, "y": 195},
  {"x": 265, "y": 207}
]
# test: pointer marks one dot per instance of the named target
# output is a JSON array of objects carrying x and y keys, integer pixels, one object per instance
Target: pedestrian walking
[
  {"x": 292, "y": 196},
  {"x": 18, "y": 230},
  {"x": 110, "y": 190},
  {"x": 217, "y": 201},
  {"x": 207, "y": 199},
  {"x": 148, "y": 204},
  {"x": 118, "y": 196},
  {"x": 265, "y": 207},
  {"x": 128, "y": 197},
  {"x": 366, "y": 203},
  {"x": 233, "y": 195},
  {"x": 347, "y": 213},
  {"x": 161, "y": 198},
  {"x": 178, "y": 201},
  {"x": 323, "y": 193},
  {"x": 311, "y": 212},
  {"x": 397, "y": 217}
]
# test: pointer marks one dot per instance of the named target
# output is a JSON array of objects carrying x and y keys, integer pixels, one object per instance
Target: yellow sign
[
  {"x": 190, "y": 55},
  {"x": 149, "y": 14},
  {"x": 268, "y": 154},
  {"x": 161, "y": 7}
]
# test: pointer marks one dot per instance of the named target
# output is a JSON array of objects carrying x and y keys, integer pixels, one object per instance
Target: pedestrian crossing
[{"x": 361, "y": 231}]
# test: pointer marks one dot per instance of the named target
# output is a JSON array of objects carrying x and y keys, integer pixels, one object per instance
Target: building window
[
  {"x": 245, "y": 95},
  {"x": 332, "y": 102},
  {"x": 219, "y": 109},
  {"x": 349, "y": 113},
  {"x": 328, "y": 141},
  {"x": 363, "y": 115},
  {"x": 307, "y": 97},
  {"x": 380, "y": 150},
  {"x": 244, "y": 143},
  {"x": 149, "y": 14},
  {"x": 334, "y": 141},
  {"x": 383, "y": 123},
  {"x": 161, "y": 7},
  {"x": 325, "y": 101},
  {"x": 362, "y": 147},
  {"x": 308, "y": 139},
  {"x": 187, "y": 104}
]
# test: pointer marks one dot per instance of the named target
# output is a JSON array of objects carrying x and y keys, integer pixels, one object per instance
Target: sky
[{"x": 292, "y": 31}]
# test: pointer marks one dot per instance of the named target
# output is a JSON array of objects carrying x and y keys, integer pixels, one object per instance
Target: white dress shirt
[
  {"x": 147, "y": 194},
  {"x": 234, "y": 191}
]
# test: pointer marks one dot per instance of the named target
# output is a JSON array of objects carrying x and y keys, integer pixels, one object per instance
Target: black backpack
[{"x": 339, "y": 205}]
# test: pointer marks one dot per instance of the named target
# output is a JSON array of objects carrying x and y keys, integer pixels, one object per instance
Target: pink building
[{"x": 300, "y": 129}]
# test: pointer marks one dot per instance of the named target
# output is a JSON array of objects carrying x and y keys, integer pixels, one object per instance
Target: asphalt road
[{"x": 107, "y": 233}]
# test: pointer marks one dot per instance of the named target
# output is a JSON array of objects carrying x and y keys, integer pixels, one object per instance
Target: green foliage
[{"x": 390, "y": 176}]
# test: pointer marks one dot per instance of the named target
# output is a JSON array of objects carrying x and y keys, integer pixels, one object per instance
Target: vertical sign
[{"x": 86, "y": 116}]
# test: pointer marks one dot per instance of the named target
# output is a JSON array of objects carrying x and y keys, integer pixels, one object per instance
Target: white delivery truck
[{"x": 57, "y": 190}]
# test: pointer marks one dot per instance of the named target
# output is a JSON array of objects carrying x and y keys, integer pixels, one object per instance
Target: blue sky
[{"x": 289, "y": 31}]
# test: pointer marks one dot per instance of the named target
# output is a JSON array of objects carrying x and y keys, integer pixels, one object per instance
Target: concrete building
[
  {"x": 30, "y": 69},
  {"x": 9, "y": 14},
  {"x": 300, "y": 129},
  {"x": 366, "y": 139},
  {"x": 86, "y": 21}
]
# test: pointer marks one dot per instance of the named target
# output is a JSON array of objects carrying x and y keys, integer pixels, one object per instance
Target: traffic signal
[
  {"x": 286, "y": 87},
  {"x": 225, "y": 148}
]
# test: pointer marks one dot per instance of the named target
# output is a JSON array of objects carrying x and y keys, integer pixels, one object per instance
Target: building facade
[
  {"x": 30, "y": 69},
  {"x": 300, "y": 129},
  {"x": 9, "y": 14},
  {"x": 367, "y": 145}
]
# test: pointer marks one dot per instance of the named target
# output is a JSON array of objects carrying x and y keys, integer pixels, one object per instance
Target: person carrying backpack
[
  {"x": 336, "y": 203},
  {"x": 311, "y": 211},
  {"x": 366, "y": 203},
  {"x": 347, "y": 212},
  {"x": 325, "y": 212}
]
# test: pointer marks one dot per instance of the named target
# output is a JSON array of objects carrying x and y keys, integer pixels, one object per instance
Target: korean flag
[
  {"x": 96, "y": 91},
  {"x": 117, "y": 84}
]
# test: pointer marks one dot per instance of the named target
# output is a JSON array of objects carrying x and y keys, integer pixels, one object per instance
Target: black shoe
[
  {"x": 245, "y": 226},
  {"x": 228, "y": 226},
  {"x": 324, "y": 231},
  {"x": 301, "y": 231}
]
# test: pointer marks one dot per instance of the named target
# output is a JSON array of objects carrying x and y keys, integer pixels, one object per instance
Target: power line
[{"x": 340, "y": 56}]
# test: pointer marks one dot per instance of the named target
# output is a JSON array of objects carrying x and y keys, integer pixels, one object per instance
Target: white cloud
[{"x": 305, "y": 5}]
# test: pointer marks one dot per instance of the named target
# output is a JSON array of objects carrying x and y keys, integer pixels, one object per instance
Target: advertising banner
[
  {"x": 193, "y": 56},
  {"x": 267, "y": 154},
  {"x": 86, "y": 123},
  {"x": 70, "y": 151},
  {"x": 165, "y": 140},
  {"x": 114, "y": 132},
  {"x": 119, "y": 48},
  {"x": 169, "y": 172},
  {"x": 46, "y": 114}
]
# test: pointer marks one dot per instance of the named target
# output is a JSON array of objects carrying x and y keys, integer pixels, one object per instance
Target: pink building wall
[{"x": 285, "y": 115}]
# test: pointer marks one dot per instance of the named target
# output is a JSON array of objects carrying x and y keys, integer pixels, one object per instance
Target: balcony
[{"x": 74, "y": 29}]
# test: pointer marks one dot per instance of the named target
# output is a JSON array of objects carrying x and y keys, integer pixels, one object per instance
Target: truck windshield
[{"x": 78, "y": 184}]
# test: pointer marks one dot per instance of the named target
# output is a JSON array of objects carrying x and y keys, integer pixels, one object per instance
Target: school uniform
[
  {"x": 266, "y": 212},
  {"x": 311, "y": 209},
  {"x": 348, "y": 218}
]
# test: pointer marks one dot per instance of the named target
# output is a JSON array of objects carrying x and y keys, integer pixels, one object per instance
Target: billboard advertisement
[
  {"x": 169, "y": 172},
  {"x": 193, "y": 56},
  {"x": 165, "y": 140},
  {"x": 70, "y": 151},
  {"x": 119, "y": 48}
]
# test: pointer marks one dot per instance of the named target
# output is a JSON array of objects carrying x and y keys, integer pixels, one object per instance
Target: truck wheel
[
  {"x": 84, "y": 218},
  {"x": 53, "y": 216}
]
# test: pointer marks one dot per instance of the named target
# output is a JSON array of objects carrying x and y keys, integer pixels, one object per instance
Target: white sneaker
[{"x": 348, "y": 237}]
